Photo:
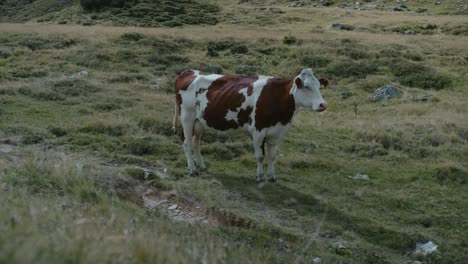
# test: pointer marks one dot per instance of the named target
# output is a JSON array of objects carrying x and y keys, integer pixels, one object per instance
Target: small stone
[
  {"x": 316, "y": 260},
  {"x": 83, "y": 73},
  {"x": 81, "y": 221},
  {"x": 153, "y": 86},
  {"x": 5, "y": 149},
  {"x": 359, "y": 176},
  {"x": 173, "y": 207},
  {"x": 421, "y": 97}
]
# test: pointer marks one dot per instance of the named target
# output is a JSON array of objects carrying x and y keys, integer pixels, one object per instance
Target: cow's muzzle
[{"x": 322, "y": 107}]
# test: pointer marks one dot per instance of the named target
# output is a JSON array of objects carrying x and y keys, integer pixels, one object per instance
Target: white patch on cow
[
  {"x": 274, "y": 134},
  {"x": 231, "y": 115},
  {"x": 252, "y": 100}
]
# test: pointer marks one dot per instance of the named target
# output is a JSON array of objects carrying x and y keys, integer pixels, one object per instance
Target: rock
[
  {"x": 173, "y": 207},
  {"x": 83, "y": 73},
  {"x": 340, "y": 26},
  {"x": 398, "y": 8},
  {"x": 421, "y": 10},
  {"x": 386, "y": 92},
  {"x": 426, "y": 248},
  {"x": 5, "y": 149},
  {"x": 276, "y": 10},
  {"x": 421, "y": 97},
  {"x": 297, "y": 4},
  {"x": 342, "y": 250},
  {"x": 359, "y": 176},
  {"x": 326, "y": 2},
  {"x": 153, "y": 86},
  {"x": 316, "y": 260}
]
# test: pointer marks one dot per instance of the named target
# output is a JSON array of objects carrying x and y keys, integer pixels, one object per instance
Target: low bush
[
  {"x": 349, "y": 68},
  {"x": 74, "y": 87},
  {"x": 103, "y": 128},
  {"x": 416, "y": 75},
  {"x": 290, "y": 40},
  {"x": 451, "y": 173}
]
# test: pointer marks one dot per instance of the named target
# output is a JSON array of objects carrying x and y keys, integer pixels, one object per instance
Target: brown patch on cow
[
  {"x": 324, "y": 82},
  {"x": 184, "y": 80},
  {"x": 243, "y": 117},
  {"x": 275, "y": 104},
  {"x": 182, "y": 83},
  {"x": 223, "y": 95},
  {"x": 299, "y": 83}
]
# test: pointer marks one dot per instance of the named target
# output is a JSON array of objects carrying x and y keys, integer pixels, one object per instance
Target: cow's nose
[{"x": 322, "y": 107}]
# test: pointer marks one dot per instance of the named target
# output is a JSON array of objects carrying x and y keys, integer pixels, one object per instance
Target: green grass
[{"x": 85, "y": 149}]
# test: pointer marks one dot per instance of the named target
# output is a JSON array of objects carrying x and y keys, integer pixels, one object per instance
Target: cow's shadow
[
  {"x": 278, "y": 196},
  {"x": 274, "y": 195}
]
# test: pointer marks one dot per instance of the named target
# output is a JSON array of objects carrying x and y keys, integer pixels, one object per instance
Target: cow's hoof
[
  {"x": 203, "y": 169},
  {"x": 271, "y": 179},
  {"x": 194, "y": 174},
  {"x": 260, "y": 179}
]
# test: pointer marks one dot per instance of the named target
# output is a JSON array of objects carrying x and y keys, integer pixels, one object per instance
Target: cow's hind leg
[
  {"x": 271, "y": 162},
  {"x": 259, "y": 147},
  {"x": 188, "y": 121},
  {"x": 198, "y": 130}
]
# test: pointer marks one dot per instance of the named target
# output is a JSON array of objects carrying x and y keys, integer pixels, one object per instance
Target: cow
[{"x": 263, "y": 105}]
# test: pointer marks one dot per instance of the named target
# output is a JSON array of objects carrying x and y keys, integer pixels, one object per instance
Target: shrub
[
  {"x": 153, "y": 125},
  {"x": 74, "y": 87},
  {"x": 348, "y": 68},
  {"x": 58, "y": 131},
  {"x": 51, "y": 42},
  {"x": 416, "y": 75},
  {"x": 151, "y": 146},
  {"x": 314, "y": 61},
  {"x": 427, "y": 80},
  {"x": 132, "y": 36},
  {"x": 239, "y": 49},
  {"x": 290, "y": 40},
  {"x": 108, "y": 129},
  {"x": 99, "y": 4},
  {"x": 451, "y": 173}
]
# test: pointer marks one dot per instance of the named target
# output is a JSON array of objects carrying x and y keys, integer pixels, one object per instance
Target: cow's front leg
[
  {"x": 259, "y": 155},
  {"x": 188, "y": 121},
  {"x": 271, "y": 162},
  {"x": 197, "y": 134}
]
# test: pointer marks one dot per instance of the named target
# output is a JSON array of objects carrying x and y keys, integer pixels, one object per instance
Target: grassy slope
[
  {"x": 146, "y": 13},
  {"x": 415, "y": 153}
]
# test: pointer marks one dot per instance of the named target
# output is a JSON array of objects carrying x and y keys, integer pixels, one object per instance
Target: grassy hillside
[
  {"x": 145, "y": 13},
  {"x": 91, "y": 172}
]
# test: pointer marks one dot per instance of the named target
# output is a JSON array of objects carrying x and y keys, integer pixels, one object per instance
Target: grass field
[{"x": 90, "y": 169}]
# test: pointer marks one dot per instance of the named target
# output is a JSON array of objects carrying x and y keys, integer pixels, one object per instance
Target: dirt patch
[{"x": 177, "y": 206}]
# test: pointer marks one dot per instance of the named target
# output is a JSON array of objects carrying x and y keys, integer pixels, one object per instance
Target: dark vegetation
[{"x": 144, "y": 13}]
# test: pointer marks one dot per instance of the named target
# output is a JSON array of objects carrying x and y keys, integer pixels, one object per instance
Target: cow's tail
[{"x": 175, "y": 121}]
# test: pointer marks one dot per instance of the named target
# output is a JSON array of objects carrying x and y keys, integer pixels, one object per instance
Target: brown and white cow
[{"x": 262, "y": 105}]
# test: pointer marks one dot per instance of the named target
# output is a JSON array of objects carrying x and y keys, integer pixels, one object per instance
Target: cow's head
[{"x": 306, "y": 91}]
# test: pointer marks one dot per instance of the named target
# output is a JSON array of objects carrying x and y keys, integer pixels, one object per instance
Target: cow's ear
[
  {"x": 323, "y": 82},
  {"x": 299, "y": 83}
]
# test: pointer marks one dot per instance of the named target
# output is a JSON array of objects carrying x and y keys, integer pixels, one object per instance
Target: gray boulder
[{"x": 385, "y": 92}]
